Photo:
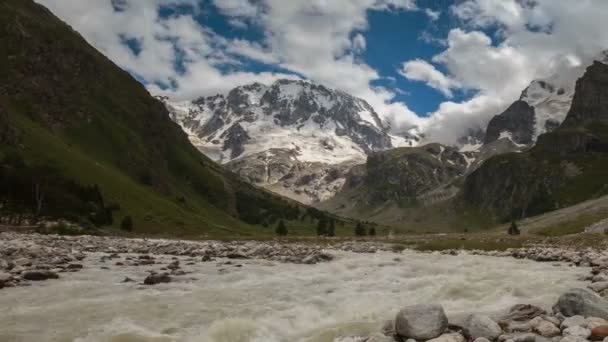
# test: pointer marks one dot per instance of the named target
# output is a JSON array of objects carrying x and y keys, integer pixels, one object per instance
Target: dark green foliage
[
  {"x": 281, "y": 229},
  {"x": 127, "y": 223},
  {"x": 34, "y": 192},
  {"x": 372, "y": 231},
  {"x": 322, "y": 227},
  {"x": 331, "y": 230},
  {"x": 513, "y": 229},
  {"x": 360, "y": 230}
]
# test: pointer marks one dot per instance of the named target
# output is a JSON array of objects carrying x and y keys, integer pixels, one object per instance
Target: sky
[{"x": 439, "y": 66}]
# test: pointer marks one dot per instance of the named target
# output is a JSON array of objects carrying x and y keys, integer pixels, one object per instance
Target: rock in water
[
  {"x": 599, "y": 333},
  {"x": 421, "y": 322},
  {"x": 547, "y": 329},
  {"x": 582, "y": 302},
  {"x": 37, "y": 275},
  {"x": 154, "y": 279},
  {"x": 523, "y": 312},
  {"x": 482, "y": 326}
]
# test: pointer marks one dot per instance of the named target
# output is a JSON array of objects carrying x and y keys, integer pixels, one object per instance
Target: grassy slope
[{"x": 75, "y": 110}]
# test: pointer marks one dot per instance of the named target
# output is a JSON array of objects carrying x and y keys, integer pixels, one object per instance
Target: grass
[{"x": 569, "y": 227}]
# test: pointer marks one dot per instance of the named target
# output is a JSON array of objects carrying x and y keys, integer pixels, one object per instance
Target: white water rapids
[{"x": 266, "y": 301}]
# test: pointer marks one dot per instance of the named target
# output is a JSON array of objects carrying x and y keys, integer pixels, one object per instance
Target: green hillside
[{"x": 81, "y": 139}]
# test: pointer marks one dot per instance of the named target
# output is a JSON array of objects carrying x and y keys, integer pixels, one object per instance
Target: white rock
[
  {"x": 547, "y": 329},
  {"x": 421, "y": 322},
  {"x": 573, "y": 339},
  {"x": 578, "y": 331},
  {"x": 599, "y": 286},
  {"x": 482, "y": 326},
  {"x": 573, "y": 321}
]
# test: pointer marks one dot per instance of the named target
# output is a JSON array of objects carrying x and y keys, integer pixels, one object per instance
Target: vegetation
[
  {"x": 513, "y": 229},
  {"x": 127, "y": 223},
  {"x": 360, "y": 230},
  {"x": 81, "y": 139},
  {"x": 281, "y": 229},
  {"x": 372, "y": 231},
  {"x": 322, "y": 227},
  {"x": 331, "y": 230}
]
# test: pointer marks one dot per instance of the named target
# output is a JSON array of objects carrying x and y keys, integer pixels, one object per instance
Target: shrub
[
  {"x": 513, "y": 229},
  {"x": 360, "y": 230},
  {"x": 127, "y": 223},
  {"x": 281, "y": 229}
]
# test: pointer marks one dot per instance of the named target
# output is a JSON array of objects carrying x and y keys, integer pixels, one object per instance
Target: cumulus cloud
[
  {"x": 420, "y": 70},
  {"x": 315, "y": 39},
  {"x": 534, "y": 39}
]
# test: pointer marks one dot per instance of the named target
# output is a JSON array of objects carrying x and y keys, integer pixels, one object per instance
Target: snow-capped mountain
[
  {"x": 284, "y": 127},
  {"x": 317, "y": 123},
  {"x": 542, "y": 107}
]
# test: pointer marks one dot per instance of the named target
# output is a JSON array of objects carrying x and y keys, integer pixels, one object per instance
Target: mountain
[
  {"x": 83, "y": 140},
  {"x": 294, "y": 137},
  {"x": 566, "y": 166}
]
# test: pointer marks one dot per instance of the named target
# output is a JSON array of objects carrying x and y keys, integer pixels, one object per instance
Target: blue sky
[{"x": 438, "y": 66}]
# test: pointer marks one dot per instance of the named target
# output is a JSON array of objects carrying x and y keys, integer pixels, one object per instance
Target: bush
[
  {"x": 513, "y": 229},
  {"x": 281, "y": 229},
  {"x": 360, "y": 230},
  {"x": 127, "y": 223},
  {"x": 372, "y": 231},
  {"x": 322, "y": 227},
  {"x": 331, "y": 231}
]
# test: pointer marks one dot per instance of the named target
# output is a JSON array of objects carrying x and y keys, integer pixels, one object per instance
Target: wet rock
[
  {"x": 582, "y": 302},
  {"x": 38, "y": 275},
  {"x": 577, "y": 331},
  {"x": 573, "y": 322},
  {"x": 388, "y": 328},
  {"x": 599, "y": 286},
  {"x": 523, "y": 312},
  {"x": 421, "y": 322},
  {"x": 482, "y": 326},
  {"x": 451, "y": 337},
  {"x": 74, "y": 267},
  {"x": 599, "y": 333},
  {"x": 128, "y": 280},
  {"x": 154, "y": 279},
  {"x": 547, "y": 329},
  {"x": 174, "y": 265}
]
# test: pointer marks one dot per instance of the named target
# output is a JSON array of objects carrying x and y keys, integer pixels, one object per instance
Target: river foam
[{"x": 265, "y": 301}]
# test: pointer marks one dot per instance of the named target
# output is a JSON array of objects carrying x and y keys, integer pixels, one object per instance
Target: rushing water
[{"x": 267, "y": 301}]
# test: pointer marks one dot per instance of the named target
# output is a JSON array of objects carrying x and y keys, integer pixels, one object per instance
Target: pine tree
[
  {"x": 331, "y": 231},
  {"x": 322, "y": 227},
  {"x": 281, "y": 229},
  {"x": 127, "y": 223},
  {"x": 360, "y": 230},
  {"x": 372, "y": 231}
]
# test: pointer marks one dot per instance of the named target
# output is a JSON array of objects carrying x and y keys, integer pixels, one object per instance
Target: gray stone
[
  {"x": 154, "y": 279},
  {"x": 380, "y": 338},
  {"x": 482, "y": 339},
  {"x": 547, "y": 329},
  {"x": 573, "y": 339},
  {"x": 451, "y": 337},
  {"x": 482, "y": 326},
  {"x": 577, "y": 331},
  {"x": 573, "y": 321},
  {"x": 38, "y": 275},
  {"x": 582, "y": 302},
  {"x": 421, "y": 322},
  {"x": 594, "y": 322},
  {"x": 599, "y": 286}
]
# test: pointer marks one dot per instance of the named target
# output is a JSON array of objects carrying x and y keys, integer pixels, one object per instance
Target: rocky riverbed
[{"x": 170, "y": 290}]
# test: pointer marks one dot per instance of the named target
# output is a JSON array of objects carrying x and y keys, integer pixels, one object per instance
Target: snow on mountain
[{"x": 317, "y": 123}]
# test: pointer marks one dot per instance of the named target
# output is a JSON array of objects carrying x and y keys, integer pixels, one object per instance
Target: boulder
[
  {"x": 582, "y": 302},
  {"x": 154, "y": 279},
  {"x": 482, "y": 339},
  {"x": 482, "y": 326},
  {"x": 594, "y": 322},
  {"x": 421, "y": 322},
  {"x": 547, "y": 329},
  {"x": 599, "y": 333},
  {"x": 599, "y": 286},
  {"x": 523, "y": 312},
  {"x": 577, "y": 331},
  {"x": 451, "y": 337},
  {"x": 573, "y": 321},
  {"x": 37, "y": 275}
]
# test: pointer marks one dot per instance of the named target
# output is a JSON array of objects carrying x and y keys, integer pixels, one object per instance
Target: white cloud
[
  {"x": 317, "y": 39},
  {"x": 433, "y": 15},
  {"x": 420, "y": 70},
  {"x": 535, "y": 39}
]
